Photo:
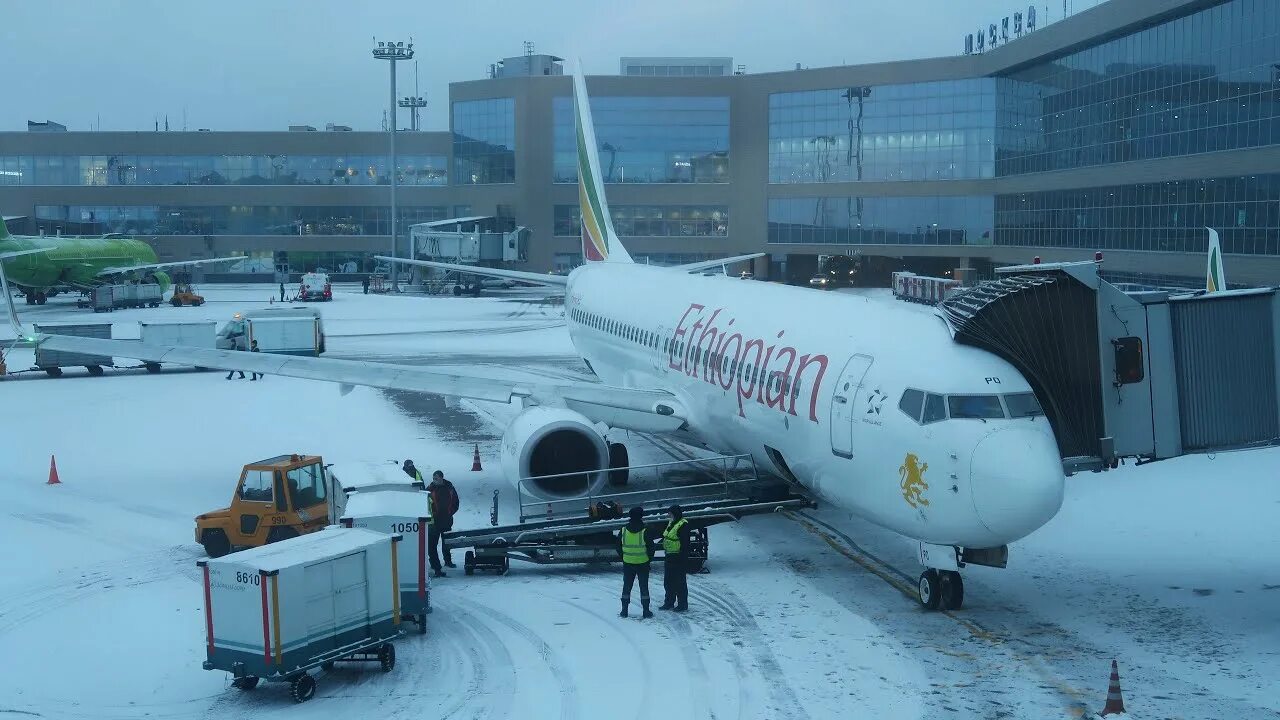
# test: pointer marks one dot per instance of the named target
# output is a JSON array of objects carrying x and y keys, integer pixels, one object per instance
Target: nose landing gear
[{"x": 940, "y": 590}]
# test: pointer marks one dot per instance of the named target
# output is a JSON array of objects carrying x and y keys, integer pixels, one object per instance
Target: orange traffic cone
[
  {"x": 1115, "y": 701},
  {"x": 53, "y": 472},
  {"x": 475, "y": 460}
]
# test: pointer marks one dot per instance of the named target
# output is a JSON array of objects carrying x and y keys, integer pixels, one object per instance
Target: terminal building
[{"x": 1127, "y": 128}]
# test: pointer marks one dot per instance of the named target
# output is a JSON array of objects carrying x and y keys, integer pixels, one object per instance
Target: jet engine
[{"x": 543, "y": 441}]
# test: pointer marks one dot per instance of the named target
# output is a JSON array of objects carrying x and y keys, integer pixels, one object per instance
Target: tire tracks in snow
[
  {"x": 563, "y": 678},
  {"x": 646, "y": 670}
]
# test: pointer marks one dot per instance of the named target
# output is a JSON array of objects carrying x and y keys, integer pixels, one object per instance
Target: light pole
[
  {"x": 393, "y": 52},
  {"x": 413, "y": 103}
]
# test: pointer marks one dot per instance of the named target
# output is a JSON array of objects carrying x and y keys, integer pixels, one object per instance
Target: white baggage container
[
  {"x": 370, "y": 475},
  {"x": 285, "y": 335},
  {"x": 198, "y": 334},
  {"x": 399, "y": 510},
  {"x": 277, "y": 611}
]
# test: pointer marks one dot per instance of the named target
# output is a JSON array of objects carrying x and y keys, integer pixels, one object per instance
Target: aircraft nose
[{"x": 1017, "y": 481}]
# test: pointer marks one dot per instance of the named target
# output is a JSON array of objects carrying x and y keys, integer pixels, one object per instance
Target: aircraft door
[
  {"x": 843, "y": 402},
  {"x": 661, "y": 355}
]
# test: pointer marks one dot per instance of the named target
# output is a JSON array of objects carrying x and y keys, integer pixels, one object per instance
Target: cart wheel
[
  {"x": 54, "y": 371},
  {"x": 95, "y": 370},
  {"x": 506, "y": 565},
  {"x": 175, "y": 302},
  {"x": 153, "y": 367},
  {"x": 246, "y": 683},
  {"x": 469, "y": 563},
  {"x": 326, "y": 665},
  {"x": 422, "y": 624},
  {"x": 387, "y": 656},
  {"x": 303, "y": 688}
]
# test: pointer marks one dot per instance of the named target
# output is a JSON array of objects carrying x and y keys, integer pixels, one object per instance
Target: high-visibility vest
[
  {"x": 634, "y": 550},
  {"x": 671, "y": 536}
]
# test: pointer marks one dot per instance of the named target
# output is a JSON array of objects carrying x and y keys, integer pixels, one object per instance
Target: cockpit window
[
  {"x": 935, "y": 409},
  {"x": 1023, "y": 405},
  {"x": 911, "y": 403},
  {"x": 975, "y": 406}
]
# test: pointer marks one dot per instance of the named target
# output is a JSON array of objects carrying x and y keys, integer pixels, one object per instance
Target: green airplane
[{"x": 39, "y": 265}]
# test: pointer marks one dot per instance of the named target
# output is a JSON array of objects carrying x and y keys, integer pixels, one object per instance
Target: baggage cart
[
  {"x": 136, "y": 295},
  {"x": 190, "y": 334},
  {"x": 399, "y": 511},
  {"x": 278, "y": 611},
  {"x": 52, "y": 361},
  {"x": 102, "y": 298}
]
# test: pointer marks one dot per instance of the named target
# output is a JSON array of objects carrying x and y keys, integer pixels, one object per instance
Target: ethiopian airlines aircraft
[{"x": 869, "y": 405}]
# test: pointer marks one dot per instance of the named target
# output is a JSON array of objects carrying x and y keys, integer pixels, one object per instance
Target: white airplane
[{"x": 869, "y": 405}]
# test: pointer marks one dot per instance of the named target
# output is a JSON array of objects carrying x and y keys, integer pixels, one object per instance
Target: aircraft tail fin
[
  {"x": 10, "y": 310},
  {"x": 1215, "y": 280},
  {"x": 4, "y": 230},
  {"x": 599, "y": 240}
]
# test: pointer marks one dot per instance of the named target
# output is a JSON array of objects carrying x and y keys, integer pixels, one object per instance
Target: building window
[
  {"x": 921, "y": 131},
  {"x": 651, "y": 220},
  {"x": 227, "y": 219},
  {"x": 127, "y": 169},
  {"x": 484, "y": 141},
  {"x": 881, "y": 220},
  {"x": 1200, "y": 83},
  {"x": 648, "y": 139},
  {"x": 1165, "y": 217}
]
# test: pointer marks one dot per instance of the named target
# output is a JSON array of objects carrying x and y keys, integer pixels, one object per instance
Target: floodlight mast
[{"x": 393, "y": 52}]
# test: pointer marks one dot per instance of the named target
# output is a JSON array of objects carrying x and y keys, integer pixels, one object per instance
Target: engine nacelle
[{"x": 543, "y": 441}]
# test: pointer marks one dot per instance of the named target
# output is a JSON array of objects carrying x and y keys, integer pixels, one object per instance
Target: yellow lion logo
[{"x": 913, "y": 484}]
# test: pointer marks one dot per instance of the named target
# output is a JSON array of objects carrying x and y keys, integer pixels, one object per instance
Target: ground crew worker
[
  {"x": 365, "y": 284},
  {"x": 444, "y": 503},
  {"x": 675, "y": 551},
  {"x": 281, "y": 292},
  {"x": 636, "y": 555},
  {"x": 254, "y": 348}
]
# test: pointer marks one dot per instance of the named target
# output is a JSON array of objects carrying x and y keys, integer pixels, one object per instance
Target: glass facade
[
  {"x": 921, "y": 131},
  {"x": 1208, "y": 81},
  {"x": 126, "y": 169},
  {"x": 648, "y": 139},
  {"x": 1167, "y": 216},
  {"x": 651, "y": 220},
  {"x": 227, "y": 219},
  {"x": 484, "y": 141},
  {"x": 881, "y": 220},
  {"x": 334, "y": 261}
]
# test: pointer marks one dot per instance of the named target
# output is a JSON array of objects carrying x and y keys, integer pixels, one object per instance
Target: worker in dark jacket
[
  {"x": 636, "y": 554},
  {"x": 444, "y": 503},
  {"x": 281, "y": 292},
  {"x": 675, "y": 552},
  {"x": 411, "y": 470},
  {"x": 254, "y": 348}
]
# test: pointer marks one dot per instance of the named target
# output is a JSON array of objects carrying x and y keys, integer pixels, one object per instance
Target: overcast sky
[{"x": 266, "y": 64}]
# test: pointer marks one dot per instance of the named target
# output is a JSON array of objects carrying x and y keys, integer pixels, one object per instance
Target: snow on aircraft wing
[
  {"x": 157, "y": 266},
  {"x": 706, "y": 264},
  {"x": 634, "y": 409},
  {"x": 523, "y": 276}
]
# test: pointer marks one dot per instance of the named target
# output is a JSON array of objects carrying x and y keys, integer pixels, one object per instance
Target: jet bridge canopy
[{"x": 1142, "y": 375}]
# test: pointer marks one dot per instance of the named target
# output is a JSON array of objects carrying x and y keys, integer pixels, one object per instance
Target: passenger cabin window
[
  {"x": 935, "y": 409},
  {"x": 975, "y": 406},
  {"x": 912, "y": 403},
  {"x": 258, "y": 486},
  {"x": 1023, "y": 405}
]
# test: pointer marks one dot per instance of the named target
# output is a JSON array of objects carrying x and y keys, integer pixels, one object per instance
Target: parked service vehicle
[
  {"x": 189, "y": 334},
  {"x": 276, "y": 499},
  {"x": 315, "y": 286},
  {"x": 922, "y": 289},
  {"x": 277, "y": 612},
  {"x": 286, "y": 331}
]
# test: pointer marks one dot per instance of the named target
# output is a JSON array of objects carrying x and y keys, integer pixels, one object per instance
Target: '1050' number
[{"x": 404, "y": 527}]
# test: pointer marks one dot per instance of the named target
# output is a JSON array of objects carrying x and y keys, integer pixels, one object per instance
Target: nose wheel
[{"x": 940, "y": 590}]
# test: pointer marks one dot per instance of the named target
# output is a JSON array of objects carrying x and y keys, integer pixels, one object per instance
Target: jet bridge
[{"x": 1147, "y": 375}]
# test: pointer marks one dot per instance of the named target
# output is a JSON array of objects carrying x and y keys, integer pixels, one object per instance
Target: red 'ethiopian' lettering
[{"x": 760, "y": 373}]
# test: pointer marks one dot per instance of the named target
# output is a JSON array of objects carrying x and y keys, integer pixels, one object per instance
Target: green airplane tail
[{"x": 4, "y": 231}]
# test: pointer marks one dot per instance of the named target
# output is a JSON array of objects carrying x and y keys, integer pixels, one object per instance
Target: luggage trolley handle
[{"x": 493, "y": 510}]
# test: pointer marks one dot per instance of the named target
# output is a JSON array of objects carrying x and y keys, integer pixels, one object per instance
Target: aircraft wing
[
  {"x": 706, "y": 264},
  {"x": 157, "y": 266},
  {"x": 629, "y": 408},
  {"x": 531, "y": 277}
]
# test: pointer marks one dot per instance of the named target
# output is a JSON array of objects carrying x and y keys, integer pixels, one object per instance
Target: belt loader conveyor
[{"x": 590, "y": 535}]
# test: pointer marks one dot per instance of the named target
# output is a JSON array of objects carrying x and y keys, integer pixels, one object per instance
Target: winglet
[
  {"x": 599, "y": 240},
  {"x": 1215, "y": 280}
]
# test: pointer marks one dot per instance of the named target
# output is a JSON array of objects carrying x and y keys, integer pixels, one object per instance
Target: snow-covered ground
[{"x": 1171, "y": 568}]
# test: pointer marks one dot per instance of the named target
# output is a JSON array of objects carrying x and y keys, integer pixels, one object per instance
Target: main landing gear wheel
[
  {"x": 302, "y": 688},
  {"x": 929, "y": 589},
  {"x": 952, "y": 590}
]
